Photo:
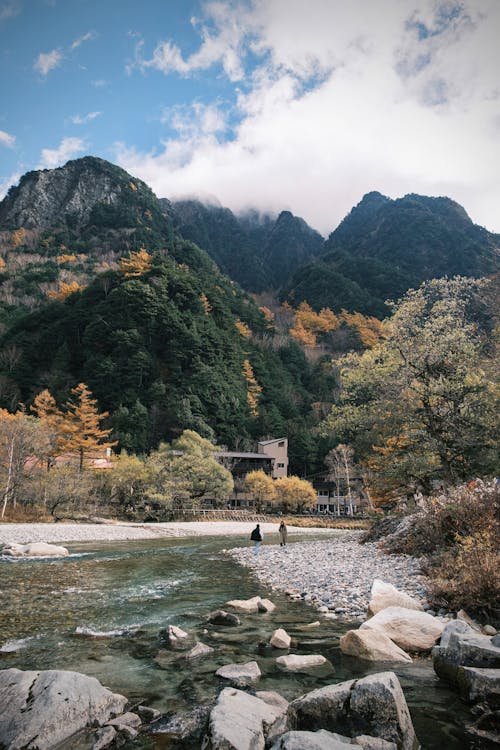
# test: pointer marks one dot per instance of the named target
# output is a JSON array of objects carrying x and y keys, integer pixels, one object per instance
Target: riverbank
[
  {"x": 335, "y": 575},
  {"x": 23, "y": 533}
]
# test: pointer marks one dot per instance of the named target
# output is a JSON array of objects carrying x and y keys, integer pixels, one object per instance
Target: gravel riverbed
[{"x": 334, "y": 574}]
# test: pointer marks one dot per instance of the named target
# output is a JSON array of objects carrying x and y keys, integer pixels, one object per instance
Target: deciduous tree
[{"x": 261, "y": 487}]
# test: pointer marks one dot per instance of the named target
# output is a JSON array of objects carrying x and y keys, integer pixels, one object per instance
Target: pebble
[{"x": 334, "y": 575}]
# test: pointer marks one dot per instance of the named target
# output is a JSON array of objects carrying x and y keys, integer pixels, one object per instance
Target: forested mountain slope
[{"x": 384, "y": 247}]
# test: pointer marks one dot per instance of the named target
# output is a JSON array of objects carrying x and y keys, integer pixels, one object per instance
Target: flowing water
[{"x": 100, "y": 611}]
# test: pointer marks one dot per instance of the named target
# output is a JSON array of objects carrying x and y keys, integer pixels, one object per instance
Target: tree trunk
[{"x": 9, "y": 477}]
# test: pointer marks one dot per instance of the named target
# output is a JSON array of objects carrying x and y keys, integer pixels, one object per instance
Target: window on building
[
  {"x": 281, "y": 466},
  {"x": 281, "y": 444}
]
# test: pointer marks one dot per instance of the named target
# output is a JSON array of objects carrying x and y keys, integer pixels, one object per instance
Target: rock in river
[
  {"x": 41, "y": 709},
  {"x": 34, "y": 549},
  {"x": 409, "y": 629},
  {"x": 371, "y": 645}
]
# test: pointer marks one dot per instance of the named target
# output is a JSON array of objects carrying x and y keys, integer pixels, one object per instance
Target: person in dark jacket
[{"x": 257, "y": 536}]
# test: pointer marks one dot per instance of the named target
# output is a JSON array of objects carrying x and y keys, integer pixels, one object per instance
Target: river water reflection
[{"x": 100, "y": 611}]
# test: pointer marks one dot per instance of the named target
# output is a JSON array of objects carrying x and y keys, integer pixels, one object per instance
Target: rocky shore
[{"x": 334, "y": 575}]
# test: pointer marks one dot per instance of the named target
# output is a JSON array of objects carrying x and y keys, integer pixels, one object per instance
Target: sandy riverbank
[{"x": 23, "y": 533}]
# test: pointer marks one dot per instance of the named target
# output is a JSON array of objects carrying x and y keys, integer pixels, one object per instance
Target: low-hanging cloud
[
  {"x": 67, "y": 149},
  {"x": 346, "y": 98}
]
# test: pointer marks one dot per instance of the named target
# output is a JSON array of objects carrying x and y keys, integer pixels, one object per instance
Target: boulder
[
  {"x": 462, "y": 615},
  {"x": 296, "y": 663},
  {"x": 373, "y": 705},
  {"x": 373, "y": 743},
  {"x": 461, "y": 646},
  {"x": 371, "y": 645},
  {"x": 220, "y": 617},
  {"x": 385, "y": 595},
  {"x": 409, "y": 629},
  {"x": 476, "y": 683},
  {"x": 34, "y": 549},
  {"x": 41, "y": 709},
  {"x": 323, "y": 740},
  {"x": 240, "y": 721},
  {"x": 245, "y": 605},
  {"x": 266, "y": 605},
  {"x": 489, "y": 630},
  {"x": 175, "y": 637},
  {"x": 104, "y": 737},
  {"x": 128, "y": 719},
  {"x": 148, "y": 714},
  {"x": 201, "y": 649},
  {"x": 280, "y": 639},
  {"x": 238, "y": 672}
]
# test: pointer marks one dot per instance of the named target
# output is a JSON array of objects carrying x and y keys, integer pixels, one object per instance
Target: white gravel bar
[
  {"x": 335, "y": 574},
  {"x": 24, "y": 533}
]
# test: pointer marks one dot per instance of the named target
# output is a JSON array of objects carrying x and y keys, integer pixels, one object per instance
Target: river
[{"x": 100, "y": 611}]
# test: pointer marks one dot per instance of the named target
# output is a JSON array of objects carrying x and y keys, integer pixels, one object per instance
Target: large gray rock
[
  {"x": 409, "y": 629},
  {"x": 476, "y": 683},
  {"x": 374, "y": 705},
  {"x": 38, "y": 710},
  {"x": 297, "y": 662},
  {"x": 198, "y": 651},
  {"x": 371, "y": 645},
  {"x": 240, "y": 721},
  {"x": 34, "y": 549},
  {"x": 240, "y": 672},
  {"x": 245, "y": 605},
  {"x": 221, "y": 617},
  {"x": 266, "y": 605},
  {"x": 385, "y": 595},
  {"x": 280, "y": 639},
  {"x": 461, "y": 646},
  {"x": 323, "y": 740}
]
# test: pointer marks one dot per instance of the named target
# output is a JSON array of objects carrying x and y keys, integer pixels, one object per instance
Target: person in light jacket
[{"x": 283, "y": 534}]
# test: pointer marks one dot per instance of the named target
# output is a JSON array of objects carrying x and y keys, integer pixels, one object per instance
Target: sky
[{"x": 304, "y": 105}]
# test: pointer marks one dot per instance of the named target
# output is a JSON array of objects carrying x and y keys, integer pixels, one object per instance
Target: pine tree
[{"x": 81, "y": 430}]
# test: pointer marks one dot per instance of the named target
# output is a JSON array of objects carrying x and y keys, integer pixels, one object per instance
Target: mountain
[
  {"x": 165, "y": 344},
  {"x": 259, "y": 251},
  {"x": 384, "y": 247}
]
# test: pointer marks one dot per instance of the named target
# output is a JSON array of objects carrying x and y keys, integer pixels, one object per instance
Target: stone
[
  {"x": 309, "y": 625},
  {"x": 201, "y": 649},
  {"x": 455, "y": 626},
  {"x": 245, "y": 605},
  {"x": 496, "y": 640},
  {"x": 489, "y": 630},
  {"x": 463, "y": 648},
  {"x": 476, "y": 683},
  {"x": 236, "y": 672},
  {"x": 321, "y": 740},
  {"x": 280, "y": 639},
  {"x": 296, "y": 663},
  {"x": 273, "y": 699},
  {"x": 462, "y": 615},
  {"x": 51, "y": 706},
  {"x": 374, "y": 743},
  {"x": 175, "y": 637},
  {"x": 373, "y": 704},
  {"x": 266, "y": 605},
  {"x": 104, "y": 738},
  {"x": 148, "y": 714},
  {"x": 372, "y": 645},
  {"x": 34, "y": 549},
  {"x": 240, "y": 721},
  {"x": 128, "y": 719},
  {"x": 411, "y": 630},
  {"x": 385, "y": 595},
  {"x": 220, "y": 617}
]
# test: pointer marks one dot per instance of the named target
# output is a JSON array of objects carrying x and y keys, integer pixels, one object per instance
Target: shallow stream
[{"x": 100, "y": 611}]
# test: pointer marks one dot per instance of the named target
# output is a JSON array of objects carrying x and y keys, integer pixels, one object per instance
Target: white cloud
[
  {"x": 6, "y": 183},
  {"x": 7, "y": 140},
  {"x": 47, "y": 61},
  {"x": 84, "y": 38},
  {"x": 79, "y": 120},
  {"x": 67, "y": 149},
  {"x": 396, "y": 96},
  {"x": 99, "y": 83}
]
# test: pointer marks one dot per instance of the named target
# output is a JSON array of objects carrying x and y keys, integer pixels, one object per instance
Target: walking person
[
  {"x": 257, "y": 536},
  {"x": 283, "y": 532}
]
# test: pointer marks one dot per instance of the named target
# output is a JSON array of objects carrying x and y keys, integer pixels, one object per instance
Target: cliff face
[{"x": 68, "y": 195}]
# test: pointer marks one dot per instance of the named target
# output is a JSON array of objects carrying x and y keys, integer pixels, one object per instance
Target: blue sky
[{"x": 273, "y": 104}]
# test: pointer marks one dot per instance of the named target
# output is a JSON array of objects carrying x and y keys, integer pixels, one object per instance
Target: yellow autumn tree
[
  {"x": 81, "y": 431},
  {"x": 242, "y": 328},
  {"x": 253, "y": 388},
  {"x": 17, "y": 439},
  {"x": 302, "y": 335},
  {"x": 260, "y": 487},
  {"x": 206, "y": 304},
  {"x": 137, "y": 264},
  {"x": 51, "y": 419},
  {"x": 308, "y": 324},
  {"x": 65, "y": 290},
  {"x": 18, "y": 237},
  {"x": 66, "y": 258},
  {"x": 369, "y": 329},
  {"x": 294, "y": 493}
]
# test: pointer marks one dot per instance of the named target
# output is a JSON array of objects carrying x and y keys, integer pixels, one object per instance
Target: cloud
[
  {"x": 79, "y": 120},
  {"x": 6, "y": 183},
  {"x": 9, "y": 10},
  {"x": 99, "y": 83},
  {"x": 67, "y": 149},
  {"x": 84, "y": 38},
  {"x": 342, "y": 98},
  {"x": 47, "y": 61},
  {"x": 7, "y": 140}
]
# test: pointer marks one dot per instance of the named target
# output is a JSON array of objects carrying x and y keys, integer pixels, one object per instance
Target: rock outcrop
[{"x": 39, "y": 710}]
